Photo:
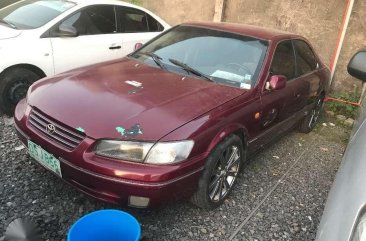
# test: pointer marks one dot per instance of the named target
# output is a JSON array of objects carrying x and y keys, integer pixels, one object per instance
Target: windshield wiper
[
  {"x": 157, "y": 59},
  {"x": 8, "y": 23},
  {"x": 190, "y": 69}
]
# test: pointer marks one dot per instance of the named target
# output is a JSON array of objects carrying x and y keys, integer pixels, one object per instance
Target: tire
[
  {"x": 309, "y": 122},
  {"x": 212, "y": 188},
  {"x": 14, "y": 84}
]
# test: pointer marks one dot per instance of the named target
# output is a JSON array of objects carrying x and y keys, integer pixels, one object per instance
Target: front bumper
[{"x": 112, "y": 181}]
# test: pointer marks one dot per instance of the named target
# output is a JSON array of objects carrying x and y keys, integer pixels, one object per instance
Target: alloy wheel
[
  {"x": 225, "y": 173},
  {"x": 315, "y": 113}
]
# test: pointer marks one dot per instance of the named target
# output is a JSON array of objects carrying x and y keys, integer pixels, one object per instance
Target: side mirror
[
  {"x": 357, "y": 66},
  {"x": 67, "y": 31},
  {"x": 276, "y": 82},
  {"x": 138, "y": 45}
]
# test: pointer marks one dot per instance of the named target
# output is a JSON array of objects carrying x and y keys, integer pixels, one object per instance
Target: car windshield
[
  {"x": 31, "y": 14},
  {"x": 222, "y": 57}
]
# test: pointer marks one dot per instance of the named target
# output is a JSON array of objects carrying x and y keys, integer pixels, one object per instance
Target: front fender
[
  {"x": 204, "y": 132},
  {"x": 226, "y": 131}
]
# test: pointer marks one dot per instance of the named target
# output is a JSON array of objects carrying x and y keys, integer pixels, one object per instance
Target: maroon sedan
[{"x": 177, "y": 118}]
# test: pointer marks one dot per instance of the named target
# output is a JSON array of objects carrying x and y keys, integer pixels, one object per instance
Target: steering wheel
[{"x": 239, "y": 67}]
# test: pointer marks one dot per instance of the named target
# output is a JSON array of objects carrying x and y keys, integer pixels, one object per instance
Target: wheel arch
[
  {"x": 30, "y": 67},
  {"x": 235, "y": 129}
]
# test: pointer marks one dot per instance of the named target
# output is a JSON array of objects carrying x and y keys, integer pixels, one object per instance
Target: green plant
[
  {"x": 136, "y": 2},
  {"x": 339, "y": 108}
]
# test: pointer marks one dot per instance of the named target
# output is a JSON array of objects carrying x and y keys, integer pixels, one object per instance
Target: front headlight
[
  {"x": 160, "y": 153},
  {"x": 123, "y": 150},
  {"x": 359, "y": 233},
  {"x": 169, "y": 152}
]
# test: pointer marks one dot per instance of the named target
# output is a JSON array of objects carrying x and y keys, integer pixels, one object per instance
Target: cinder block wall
[{"x": 319, "y": 21}]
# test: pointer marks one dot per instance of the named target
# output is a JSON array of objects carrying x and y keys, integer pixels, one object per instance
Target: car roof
[
  {"x": 114, "y": 2},
  {"x": 246, "y": 30}
]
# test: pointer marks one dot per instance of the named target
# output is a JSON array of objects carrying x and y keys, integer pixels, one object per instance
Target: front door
[
  {"x": 278, "y": 105},
  {"x": 98, "y": 39}
]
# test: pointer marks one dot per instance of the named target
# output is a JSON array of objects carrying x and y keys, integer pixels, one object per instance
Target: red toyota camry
[{"x": 178, "y": 117}]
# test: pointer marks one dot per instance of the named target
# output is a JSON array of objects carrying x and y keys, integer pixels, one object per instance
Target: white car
[{"x": 41, "y": 38}]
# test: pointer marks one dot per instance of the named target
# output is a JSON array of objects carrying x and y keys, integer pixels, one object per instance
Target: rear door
[
  {"x": 307, "y": 82},
  {"x": 98, "y": 39},
  {"x": 136, "y": 26}
]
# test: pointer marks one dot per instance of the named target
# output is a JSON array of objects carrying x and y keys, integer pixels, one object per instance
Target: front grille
[{"x": 63, "y": 135}]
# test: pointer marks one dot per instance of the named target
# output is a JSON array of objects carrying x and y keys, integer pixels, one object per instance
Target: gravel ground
[{"x": 279, "y": 196}]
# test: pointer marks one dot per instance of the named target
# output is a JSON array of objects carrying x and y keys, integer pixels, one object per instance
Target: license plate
[{"x": 44, "y": 158}]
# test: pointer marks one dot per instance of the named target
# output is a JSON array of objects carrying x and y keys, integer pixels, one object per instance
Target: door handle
[
  {"x": 297, "y": 95},
  {"x": 115, "y": 47}
]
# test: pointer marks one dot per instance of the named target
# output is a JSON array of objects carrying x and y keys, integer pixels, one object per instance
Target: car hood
[
  {"x": 7, "y": 33},
  {"x": 127, "y": 99}
]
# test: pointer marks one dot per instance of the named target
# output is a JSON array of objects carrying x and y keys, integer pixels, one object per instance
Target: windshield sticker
[
  {"x": 131, "y": 132},
  {"x": 248, "y": 77},
  {"x": 80, "y": 129},
  {"x": 245, "y": 86},
  {"x": 133, "y": 83},
  {"x": 227, "y": 75}
]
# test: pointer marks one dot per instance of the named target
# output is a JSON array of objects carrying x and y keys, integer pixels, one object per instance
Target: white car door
[
  {"x": 97, "y": 38},
  {"x": 136, "y": 26}
]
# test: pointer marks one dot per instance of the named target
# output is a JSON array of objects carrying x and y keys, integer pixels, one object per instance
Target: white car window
[
  {"x": 99, "y": 19},
  {"x": 32, "y": 14},
  {"x": 137, "y": 21}
]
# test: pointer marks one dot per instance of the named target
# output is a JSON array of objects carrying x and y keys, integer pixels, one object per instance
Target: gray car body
[{"x": 347, "y": 196}]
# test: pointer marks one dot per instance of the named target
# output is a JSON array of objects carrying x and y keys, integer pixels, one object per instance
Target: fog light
[{"x": 138, "y": 202}]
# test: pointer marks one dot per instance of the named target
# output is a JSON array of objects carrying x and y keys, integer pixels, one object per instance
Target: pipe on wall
[
  {"x": 342, "y": 34},
  {"x": 219, "y": 10}
]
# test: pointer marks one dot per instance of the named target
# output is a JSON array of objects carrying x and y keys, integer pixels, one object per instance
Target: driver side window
[
  {"x": 93, "y": 20},
  {"x": 283, "y": 62}
]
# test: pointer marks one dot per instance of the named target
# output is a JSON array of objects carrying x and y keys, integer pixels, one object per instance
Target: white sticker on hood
[{"x": 133, "y": 83}]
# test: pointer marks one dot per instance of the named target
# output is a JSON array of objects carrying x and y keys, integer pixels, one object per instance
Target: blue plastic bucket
[{"x": 105, "y": 225}]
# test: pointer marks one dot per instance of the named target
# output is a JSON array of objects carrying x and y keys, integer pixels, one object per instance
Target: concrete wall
[
  {"x": 355, "y": 41},
  {"x": 178, "y": 11},
  {"x": 319, "y": 21},
  {"x": 4, "y": 3}
]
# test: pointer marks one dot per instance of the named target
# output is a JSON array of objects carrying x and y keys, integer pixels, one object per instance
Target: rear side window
[
  {"x": 283, "y": 62},
  {"x": 137, "y": 21},
  {"x": 154, "y": 25},
  {"x": 305, "y": 57},
  {"x": 93, "y": 20}
]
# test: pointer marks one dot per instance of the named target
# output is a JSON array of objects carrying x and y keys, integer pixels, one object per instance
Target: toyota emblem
[{"x": 51, "y": 129}]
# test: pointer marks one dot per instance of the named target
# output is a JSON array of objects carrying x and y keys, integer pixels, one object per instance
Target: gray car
[{"x": 344, "y": 217}]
